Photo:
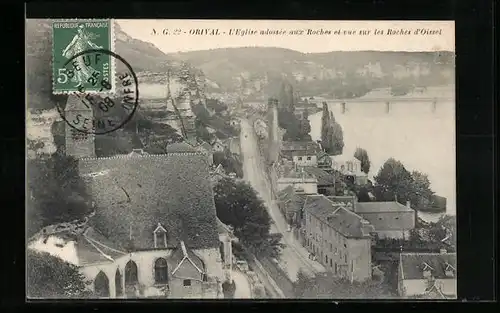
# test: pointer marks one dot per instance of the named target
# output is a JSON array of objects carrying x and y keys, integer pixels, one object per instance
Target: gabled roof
[
  {"x": 133, "y": 193},
  {"x": 377, "y": 207},
  {"x": 311, "y": 146},
  {"x": 187, "y": 256},
  {"x": 344, "y": 221},
  {"x": 413, "y": 264},
  {"x": 323, "y": 177}
]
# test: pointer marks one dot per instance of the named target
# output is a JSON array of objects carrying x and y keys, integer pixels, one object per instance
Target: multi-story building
[
  {"x": 308, "y": 147},
  {"x": 427, "y": 275},
  {"x": 390, "y": 219},
  {"x": 350, "y": 167},
  {"x": 338, "y": 237}
]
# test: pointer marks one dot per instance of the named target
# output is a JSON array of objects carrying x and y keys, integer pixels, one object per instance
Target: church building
[{"x": 153, "y": 231}]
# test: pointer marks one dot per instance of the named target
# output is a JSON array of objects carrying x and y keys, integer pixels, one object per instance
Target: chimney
[{"x": 408, "y": 204}]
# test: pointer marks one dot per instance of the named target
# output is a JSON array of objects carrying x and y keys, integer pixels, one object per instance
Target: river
[{"x": 410, "y": 133}]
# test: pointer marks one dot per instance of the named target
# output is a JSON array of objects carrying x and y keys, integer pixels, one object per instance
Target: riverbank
[{"x": 422, "y": 142}]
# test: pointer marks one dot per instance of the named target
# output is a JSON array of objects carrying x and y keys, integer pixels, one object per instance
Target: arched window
[
  {"x": 118, "y": 283},
  {"x": 101, "y": 285},
  {"x": 131, "y": 273},
  {"x": 161, "y": 271}
]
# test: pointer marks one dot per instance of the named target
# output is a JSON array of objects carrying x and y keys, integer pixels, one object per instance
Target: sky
[{"x": 344, "y": 36}]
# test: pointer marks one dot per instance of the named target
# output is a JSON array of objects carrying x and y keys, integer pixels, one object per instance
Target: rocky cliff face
[{"x": 149, "y": 63}]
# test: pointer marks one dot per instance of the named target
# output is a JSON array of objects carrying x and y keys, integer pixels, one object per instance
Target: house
[
  {"x": 390, "y": 219},
  {"x": 427, "y": 275},
  {"x": 290, "y": 202},
  {"x": 299, "y": 179},
  {"x": 338, "y": 237},
  {"x": 288, "y": 147},
  {"x": 153, "y": 232},
  {"x": 304, "y": 158},
  {"x": 350, "y": 167},
  {"x": 326, "y": 181}
]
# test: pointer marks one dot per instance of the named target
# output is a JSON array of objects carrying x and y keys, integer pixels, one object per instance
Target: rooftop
[
  {"x": 414, "y": 264},
  {"x": 323, "y": 177},
  {"x": 289, "y": 195},
  {"x": 378, "y": 207},
  {"x": 344, "y": 221},
  {"x": 133, "y": 193},
  {"x": 310, "y": 146}
]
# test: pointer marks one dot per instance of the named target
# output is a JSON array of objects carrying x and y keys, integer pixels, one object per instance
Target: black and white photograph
[{"x": 240, "y": 159}]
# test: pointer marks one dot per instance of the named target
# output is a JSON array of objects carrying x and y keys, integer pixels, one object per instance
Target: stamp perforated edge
[{"x": 112, "y": 40}]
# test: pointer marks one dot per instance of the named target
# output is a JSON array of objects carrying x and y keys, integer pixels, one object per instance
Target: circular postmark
[{"x": 113, "y": 100}]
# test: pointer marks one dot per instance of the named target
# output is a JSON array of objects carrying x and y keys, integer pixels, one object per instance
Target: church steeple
[{"x": 79, "y": 144}]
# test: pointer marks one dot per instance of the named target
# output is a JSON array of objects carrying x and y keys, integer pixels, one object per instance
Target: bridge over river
[{"x": 390, "y": 105}]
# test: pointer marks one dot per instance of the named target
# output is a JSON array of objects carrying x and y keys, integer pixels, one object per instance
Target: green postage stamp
[{"x": 76, "y": 65}]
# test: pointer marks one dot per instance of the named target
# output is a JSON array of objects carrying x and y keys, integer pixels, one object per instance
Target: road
[
  {"x": 293, "y": 256},
  {"x": 243, "y": 288}
]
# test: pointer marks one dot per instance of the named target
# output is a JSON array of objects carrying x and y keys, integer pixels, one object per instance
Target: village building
[
  {"x": 153, "y": 232},
  {"x": 305, "y": 158},
  {"x": 299, "y": 179},
  {"x": 326, "y": 181},
  {"x": 349, "y": 167},
  {"x": 291, "y": 202},
  {"x": 339, "y": 238},
  {"x": 428, "y": 275},
  {"x": 391, "y": 219},
  {"x": 310, "y": 148}
]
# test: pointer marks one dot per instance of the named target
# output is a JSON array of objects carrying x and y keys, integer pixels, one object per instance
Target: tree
[
  {"x": 238, "y": 205},
  {"x": 327, "y": 286},
  {"x": 48, "y": 276},
  {"x": 325, "y": 124},
  {"x": 394, "y": 181},
  {"x": 362, "y": 156},
  {"x": 422, "y": 194},
  {"x": 285, "y": 97},
  {"x": 336, "y": 136}
]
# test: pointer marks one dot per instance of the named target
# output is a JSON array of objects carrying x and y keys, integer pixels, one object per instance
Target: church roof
[{"x": 133, "y": 193}]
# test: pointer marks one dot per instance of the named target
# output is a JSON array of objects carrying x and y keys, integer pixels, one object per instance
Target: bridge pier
[
  {"x": 342, "y": 107},
  {"x": 434, "y": 105},
  {"x": 387, "y": 107}
]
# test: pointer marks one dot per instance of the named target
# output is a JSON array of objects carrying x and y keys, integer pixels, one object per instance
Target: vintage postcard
[{"x": 226, "y": 159}]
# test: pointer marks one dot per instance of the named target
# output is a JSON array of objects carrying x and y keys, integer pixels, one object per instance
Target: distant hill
[{"x": 255, "y": 71}]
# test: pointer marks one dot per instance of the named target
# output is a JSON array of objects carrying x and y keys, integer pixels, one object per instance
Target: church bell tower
[{"x": 79, "y": 144}]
